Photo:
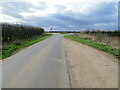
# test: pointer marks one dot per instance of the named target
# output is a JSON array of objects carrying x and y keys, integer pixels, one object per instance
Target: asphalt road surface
[
  {"x": 39, "y": 66},
  {"x": 59, "y": 63}
]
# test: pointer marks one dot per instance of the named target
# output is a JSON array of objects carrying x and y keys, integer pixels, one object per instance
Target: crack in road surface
[{"x": 68, "y": 69}]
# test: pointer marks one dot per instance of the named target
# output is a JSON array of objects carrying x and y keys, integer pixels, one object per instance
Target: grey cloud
[
  {"x": 102, "y": 15},
  {"x": 60, "y": 7},
  {"x": 44, "y": 21},
  {"x": 106, "y": 9},
  {"x": 105, "y": 13},
  {"x": 42, "y": 6},
  {"x": 15, "y": 8}
]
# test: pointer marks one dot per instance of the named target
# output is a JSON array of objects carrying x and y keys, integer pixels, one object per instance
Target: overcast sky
[{"x": 62, "y": 14}]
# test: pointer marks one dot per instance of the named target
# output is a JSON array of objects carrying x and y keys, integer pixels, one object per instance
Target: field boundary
[
  {"x": 100, "y": 46},
  {"x": 13, "y": 48}
]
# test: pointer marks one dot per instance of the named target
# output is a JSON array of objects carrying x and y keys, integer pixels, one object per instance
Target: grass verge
[
  {"x": 95, "y": 44},
  {"x": 11, "y": 49}
]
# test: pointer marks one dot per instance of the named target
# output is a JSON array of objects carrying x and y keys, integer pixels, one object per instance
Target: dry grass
[{"x": 108, "y": 40}]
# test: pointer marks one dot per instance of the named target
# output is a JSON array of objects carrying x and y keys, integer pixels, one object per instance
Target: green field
[
  {"x": 11, "y": 49},
  {"x": 95, "y": 44}
]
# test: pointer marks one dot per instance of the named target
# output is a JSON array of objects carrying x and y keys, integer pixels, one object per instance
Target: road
[
  {"x": 39, "y": 66},
  {"x": 59, "y": 63}
]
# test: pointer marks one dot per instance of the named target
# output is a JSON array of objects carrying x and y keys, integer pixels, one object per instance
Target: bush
[
  {"x": 14, "y": 32},
  {"x": 108, "y": 33}
]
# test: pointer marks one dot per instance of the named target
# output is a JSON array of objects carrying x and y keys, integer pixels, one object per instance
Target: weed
[
  {"x": 95, "y": 44},
  {"x": 10, "y": 49}
]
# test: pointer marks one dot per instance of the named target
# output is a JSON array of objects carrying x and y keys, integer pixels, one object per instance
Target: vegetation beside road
[
  {"x": 95, "y": 44},
  {"x": 16, "y": 36},
  {"x": 11, "y": 49},
  {"x": 106, "y": 37},
  {"x": 99, "y": 32},
  {"x": 13, "y": 32}
]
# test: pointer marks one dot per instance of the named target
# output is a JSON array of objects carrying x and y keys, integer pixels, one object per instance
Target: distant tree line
[
  {"x": 108, "y": 33},
  {"x": 63, "y": 31},
  {"x": 12, "y": 32}
]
